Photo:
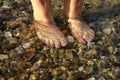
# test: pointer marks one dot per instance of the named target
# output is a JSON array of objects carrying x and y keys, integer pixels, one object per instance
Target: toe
[
  {"x": 81, "y": 40},
  {"x": 41, "y": 37},
  {"x": 57, "y": 44},
  {"x": 47, "y": 42},
  {"x": 89, "y": 37},
  {"x": 63, "y": 42},
  {"x": 92, "y": 35},
  {"x": 92, "y": 32},
  {"x": 51, "y": 43},
  {"x": 79, "y": 37}
]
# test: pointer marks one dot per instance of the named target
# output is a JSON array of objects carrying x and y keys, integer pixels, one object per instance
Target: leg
[
  {"x": 45, "y": 26},
  {"x": 79, "y": 29}
]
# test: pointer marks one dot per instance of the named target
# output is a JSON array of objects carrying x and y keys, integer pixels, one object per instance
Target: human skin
[{"x": 47, "y": 30}]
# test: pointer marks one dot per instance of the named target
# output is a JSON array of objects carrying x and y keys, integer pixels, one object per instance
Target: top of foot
[
  {"x": 81, "y": 31},
  {"x": 50, "y": 34}
]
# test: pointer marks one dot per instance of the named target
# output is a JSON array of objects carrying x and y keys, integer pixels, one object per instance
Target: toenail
[{"x": 64, "y": 44}]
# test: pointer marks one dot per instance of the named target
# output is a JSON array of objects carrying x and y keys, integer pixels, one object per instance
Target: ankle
[{"x": 44, "y": 18}]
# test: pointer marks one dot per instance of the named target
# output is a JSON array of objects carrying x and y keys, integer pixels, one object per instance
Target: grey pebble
[
  {"x": 26, "y": 45},
  {"x": 70, "y": 39}
]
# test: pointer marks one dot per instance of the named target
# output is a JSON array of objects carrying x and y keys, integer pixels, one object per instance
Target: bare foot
[
  {"x": 50, "y": 34},
  {"x": 81, "y": 31}
]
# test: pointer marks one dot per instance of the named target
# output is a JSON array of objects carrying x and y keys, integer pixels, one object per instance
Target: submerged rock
[
  {"x": 8, "y": 34},
  {"x": 70, "y": 39},
  {"x": 3, "y": 57},
  {"x": 23, "y": 56},
  {"x": 107, "y": 30},
  {"x": 26, "y": 45}
]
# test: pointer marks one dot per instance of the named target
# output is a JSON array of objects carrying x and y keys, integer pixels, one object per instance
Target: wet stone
[
  {"x": 102, "y": 78},
  {"x": 111, "y": 49},
  {"x": 26, "y": 45},
  {"x": 13, "y": 54},
  {"x": 54, "y": 53},
  {"x": 107, "y": 30},
  {"x": 3, "y": 57},
  {"x": 117, "y": 72},
  {"x": 66, "y": 63},
  {"x": 11, "y": 78},
  {"x": 8, "y": 34},
  {"x": 69, "y": 54},
  {"x": 19, "y": 49},
  {"x": 97, "y": 60},
  {"x": 81, "y": 69},
  {"x": 13, "y": 41},
  {"x": 54, "y": 72},
  {"x": 61, "y": 53},
  {"x": 2, "y": 78},
  {"x": 32, "y": 77},
  {"x": 80, "y": 51},
  {"x": 92, "y": 78},
  {"x": 23, "y": 76},
  {"x": 70, "y": 39},
  {"x": 6, "y": 4}
]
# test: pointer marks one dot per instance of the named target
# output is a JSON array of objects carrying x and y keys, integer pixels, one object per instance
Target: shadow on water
[{"x": 109, "y": 12}]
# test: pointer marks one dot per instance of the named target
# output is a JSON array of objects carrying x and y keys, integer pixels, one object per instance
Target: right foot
[
  {"x": 50, "y": 34},
  {"x": 45, "y": 26}
]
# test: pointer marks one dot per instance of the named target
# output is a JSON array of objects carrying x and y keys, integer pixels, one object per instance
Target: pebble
[
  {"x": 6, "y": 4},
  {"x": 3, "y": 56},
  {"x": 117, "y": 72},
  {"x": 69, "y": 54},
  {"x": 2, "y": 78},
  {"x": 70, "y": 39},
  {"x": 19, "y": 49},
  {"x": 81, "y": 68},
  {"x": 66, "y": 63},
  {"x": 107, "y": 30},
  {"x": 102, "y": 78},
  {"x": 61, "y": 54},
  {"x": 80, "y": 51},
  {"x": 26, "y": 45},
  {"x": 111, "y": 49},
  {"x": 1, "y": 1},
  {"x": 23, "y": 76},
  {"x": 32, "y": 77},
  {"x": 30, "y": 61},
  {"x": 54, "y": 72},
  {"x": 92, "y": 78},
  {"x": 13, "y": 41},
  {"x": 8, "y": 34},
  {"x": 11, "y": 78}
]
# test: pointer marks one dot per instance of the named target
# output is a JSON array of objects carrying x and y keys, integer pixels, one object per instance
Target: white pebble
[
  {"x": 8, "y": 34},
  {"x": 26, "y": 45}
]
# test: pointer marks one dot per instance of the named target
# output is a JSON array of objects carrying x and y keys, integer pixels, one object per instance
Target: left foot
[{"x": 81, "y": 31}]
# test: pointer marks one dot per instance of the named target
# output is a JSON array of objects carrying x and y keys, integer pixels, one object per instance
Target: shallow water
[{"x": 24, "y": 57}]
